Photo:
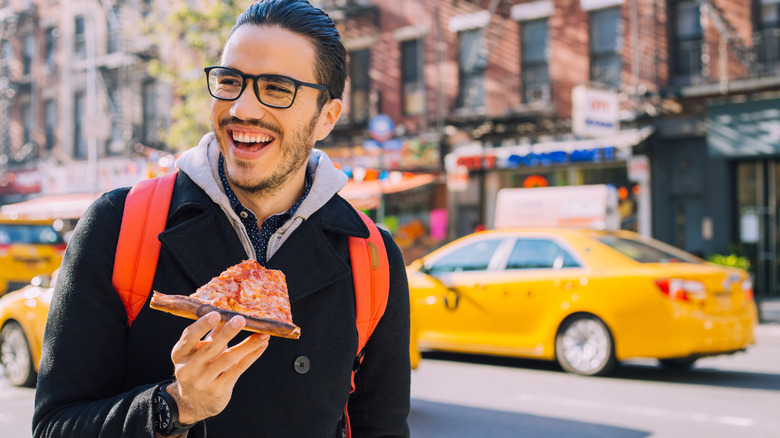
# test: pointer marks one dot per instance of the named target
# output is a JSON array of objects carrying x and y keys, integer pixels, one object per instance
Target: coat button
[{"x": 302, "y": 365}]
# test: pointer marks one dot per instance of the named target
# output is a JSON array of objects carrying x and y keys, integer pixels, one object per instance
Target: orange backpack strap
[
  {"x": 371, "y": 278},
  {"x": 138, "y": 249}
]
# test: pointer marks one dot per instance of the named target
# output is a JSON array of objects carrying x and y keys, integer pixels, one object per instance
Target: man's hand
[{"x": 206, "y": 370}]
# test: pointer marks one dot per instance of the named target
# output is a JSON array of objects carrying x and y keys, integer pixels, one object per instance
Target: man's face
[{"x": 265, "y": 148}]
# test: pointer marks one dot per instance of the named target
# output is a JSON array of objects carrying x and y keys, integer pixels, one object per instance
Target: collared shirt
[{"x": 260, "y": 236}]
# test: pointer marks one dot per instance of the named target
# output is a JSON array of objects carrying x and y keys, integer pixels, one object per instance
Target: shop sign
[
  {"x": 381, "y": 127},
  {"x": 477, "y": 162},
  {"x": 595, "y": 113},
  {"x": 458, "y": 179},
  {"x": 21, "y": 182},
  {"x": 545, "y": 159},
  {"x": 638, "y": 168}
]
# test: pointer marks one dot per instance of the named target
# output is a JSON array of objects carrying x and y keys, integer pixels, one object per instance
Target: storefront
[
  {"x": 477, "y": 174},
  {"x": 746, "y": 135}
]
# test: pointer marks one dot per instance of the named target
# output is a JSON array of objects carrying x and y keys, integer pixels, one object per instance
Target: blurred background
[{"x": 672, "y": 104}]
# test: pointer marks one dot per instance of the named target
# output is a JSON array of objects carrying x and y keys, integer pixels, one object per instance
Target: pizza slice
[{"x": 256, "y": 293}]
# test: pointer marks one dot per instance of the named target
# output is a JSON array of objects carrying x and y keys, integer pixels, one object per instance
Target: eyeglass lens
[{"x": 270, "y": 89}]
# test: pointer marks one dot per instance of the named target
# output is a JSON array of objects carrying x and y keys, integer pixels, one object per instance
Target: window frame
[{"x": 530, "y": 67}]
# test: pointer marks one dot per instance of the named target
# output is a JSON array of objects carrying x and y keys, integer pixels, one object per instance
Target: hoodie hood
[{"x": 200, "y": 164}]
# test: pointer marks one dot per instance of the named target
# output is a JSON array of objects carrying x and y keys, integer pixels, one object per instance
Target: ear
[{"x": 328, "y": 118}]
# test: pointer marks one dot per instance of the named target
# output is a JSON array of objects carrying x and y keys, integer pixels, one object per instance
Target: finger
[
  {"x": 216, "y": 343},
  {"x": 234, "y": 355},
  {"x": 191, "y": 336},
  {"x": 241, "y": 357}
]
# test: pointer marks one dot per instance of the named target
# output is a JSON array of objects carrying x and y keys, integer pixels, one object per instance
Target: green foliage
[
  {"x": 731, "y": 260},
  {"x": 194, "y": 36}
]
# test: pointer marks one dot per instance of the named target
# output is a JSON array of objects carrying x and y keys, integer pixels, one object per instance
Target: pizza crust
[{"x": 184, "y": 306}]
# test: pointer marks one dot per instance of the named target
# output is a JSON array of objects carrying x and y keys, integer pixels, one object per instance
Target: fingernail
[
  {"x": 212, "y": 317},
  {"x": 237, "y": 322}
]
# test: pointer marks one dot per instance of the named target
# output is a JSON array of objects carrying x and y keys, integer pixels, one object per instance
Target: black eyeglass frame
[{"x": 298, "y": 84}]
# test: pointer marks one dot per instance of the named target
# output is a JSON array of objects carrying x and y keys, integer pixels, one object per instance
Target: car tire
[
  {"x": 15, "y": 356},
  {"x": 678, "y": 363},
  {"x": 584, "y": 346}
]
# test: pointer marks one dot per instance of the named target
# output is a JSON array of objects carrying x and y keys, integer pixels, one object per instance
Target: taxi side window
[
  {"x": 472, "y": 257},
  {"x": 539, "y": 254}
]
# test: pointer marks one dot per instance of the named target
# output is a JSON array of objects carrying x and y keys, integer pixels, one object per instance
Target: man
[{"x": 255, "y": 187}]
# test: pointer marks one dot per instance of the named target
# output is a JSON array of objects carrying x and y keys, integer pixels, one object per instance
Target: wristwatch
[{"x": 166, "y": 413}]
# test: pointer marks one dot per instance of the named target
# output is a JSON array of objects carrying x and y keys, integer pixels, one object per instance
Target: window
[
  {"x": 50, "y": 55},
  {"x": 688, "y": 39},
  {"x": 114, "y": 33},
  {"x": 606, "y": 47},
  {"x": 29, "y": 52},
  {"x": 79, "y": 39},
  {"x": 8, "y": 51},
  {"x": 27, "y": 122},
  {"x": 79, "y": 140},
  {"x": 471, "y": 68},
  {"x": 149, "y": 121},
  {"x": 359, "y": 62},
  {"x": 536, "y": 78},
  {"x": 648, "y": 251},
  {"x": 475, "y": 256},
  {"x": 412, "y": 81},
  {"x": 539, "y": 254},
  {"x": 50, "y": 115},
  {"x": 768, "y": 38}
]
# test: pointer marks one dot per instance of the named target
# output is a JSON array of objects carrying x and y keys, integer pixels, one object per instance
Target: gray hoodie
[{"x": 200, "y": 164}]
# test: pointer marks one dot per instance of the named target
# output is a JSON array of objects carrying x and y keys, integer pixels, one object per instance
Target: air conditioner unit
[{"x": 537, "y": 92}]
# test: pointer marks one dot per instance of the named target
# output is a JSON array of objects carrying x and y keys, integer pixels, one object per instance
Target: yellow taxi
[
  {"x": 585, "y": 298},
  {"x": 22, "y": 321},
  {"x": 27, "y": 248}
]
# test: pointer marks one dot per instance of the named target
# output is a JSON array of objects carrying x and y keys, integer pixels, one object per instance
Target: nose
[{"x": 247, "y": 106}]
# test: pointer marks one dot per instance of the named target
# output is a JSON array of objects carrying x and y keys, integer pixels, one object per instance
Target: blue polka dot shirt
[{"x": 260, "y": 237}]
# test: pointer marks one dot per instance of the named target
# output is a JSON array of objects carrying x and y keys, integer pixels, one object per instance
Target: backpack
[{"x": 138, "y": 250}]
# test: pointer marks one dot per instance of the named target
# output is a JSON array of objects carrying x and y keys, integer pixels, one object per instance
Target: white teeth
[{"x": 248, "y": 138}]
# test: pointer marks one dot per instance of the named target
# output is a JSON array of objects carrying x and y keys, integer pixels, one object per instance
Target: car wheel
[
  {"x": 678, "y": 363},
  {"x": 15, "y": 356},
  {"x": 584, "y": 346}
]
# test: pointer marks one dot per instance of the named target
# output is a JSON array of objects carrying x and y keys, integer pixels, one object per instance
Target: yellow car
[
  {"x": 22, "y": 320},
  {"x": 27, "y": 248},
  {"x": 588, "y": 299}
]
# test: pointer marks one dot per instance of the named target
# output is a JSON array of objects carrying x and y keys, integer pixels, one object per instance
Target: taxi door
[
  {"x": 528, "y": 292},
  {"x": 453, "y": 307}
]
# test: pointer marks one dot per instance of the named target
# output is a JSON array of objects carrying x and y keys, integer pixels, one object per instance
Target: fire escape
[{"x": 730, "y": 40}]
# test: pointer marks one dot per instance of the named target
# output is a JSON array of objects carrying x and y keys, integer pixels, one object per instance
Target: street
[{"x": 460, "y": 396}]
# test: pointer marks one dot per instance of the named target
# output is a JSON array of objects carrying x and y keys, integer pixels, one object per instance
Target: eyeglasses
[{"x": 276, "y": 91}]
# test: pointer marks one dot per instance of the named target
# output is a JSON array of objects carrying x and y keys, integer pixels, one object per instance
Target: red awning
[{"x": 66, "y": 206}]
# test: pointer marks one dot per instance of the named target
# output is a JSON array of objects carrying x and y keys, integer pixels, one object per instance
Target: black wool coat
[{"x": 97, "y": 375}]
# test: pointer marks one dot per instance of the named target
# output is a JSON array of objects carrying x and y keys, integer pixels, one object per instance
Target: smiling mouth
[{"x": 251, "y": 142}]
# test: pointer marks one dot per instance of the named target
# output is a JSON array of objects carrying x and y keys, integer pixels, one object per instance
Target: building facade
[
  {"x": 674, "y": 103},
  {"x": 80, "y": 112}
]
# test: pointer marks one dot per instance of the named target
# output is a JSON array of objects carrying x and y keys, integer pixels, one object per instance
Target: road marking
[{"x": 637, "y": 410}]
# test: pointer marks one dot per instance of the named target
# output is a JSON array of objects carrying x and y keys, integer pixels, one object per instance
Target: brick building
[{"x": 672, "y": 102}]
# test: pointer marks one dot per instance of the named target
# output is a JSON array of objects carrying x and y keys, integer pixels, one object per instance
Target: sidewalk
[{"x": 769, "y": 312}]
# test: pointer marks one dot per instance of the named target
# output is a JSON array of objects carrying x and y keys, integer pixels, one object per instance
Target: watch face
[{"x": 162, "y": 413}]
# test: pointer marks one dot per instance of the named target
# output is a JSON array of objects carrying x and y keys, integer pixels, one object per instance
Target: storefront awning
[
  {"x": 553, "y": 150},
  {"x": 66, "y": 206},
  {"x": 367, "y": 195}
]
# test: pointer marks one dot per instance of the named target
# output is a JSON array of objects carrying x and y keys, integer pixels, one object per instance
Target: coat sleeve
[
  {"x": 81, "y": 383},
  {"x": 379, "y": 407}
]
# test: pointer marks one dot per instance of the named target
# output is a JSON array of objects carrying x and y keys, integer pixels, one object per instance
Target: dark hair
[{"x": 312, "y": 23}]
